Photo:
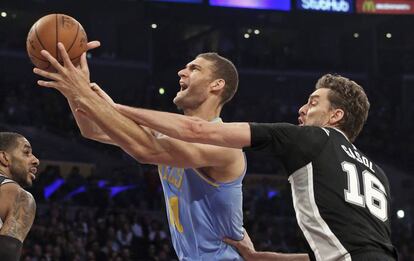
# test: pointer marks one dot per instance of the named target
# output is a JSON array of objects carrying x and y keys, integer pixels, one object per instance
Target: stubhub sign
[{"x": 344, "y": 6}]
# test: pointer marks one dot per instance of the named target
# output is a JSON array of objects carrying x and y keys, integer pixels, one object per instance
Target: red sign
[{"x": 385, "y": 6}]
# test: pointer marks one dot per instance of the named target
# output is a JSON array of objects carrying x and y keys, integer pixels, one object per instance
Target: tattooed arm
[{"x": 20, "y": 211}]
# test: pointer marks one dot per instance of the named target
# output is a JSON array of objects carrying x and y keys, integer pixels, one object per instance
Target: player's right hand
[{"x": 244, "y": 246}]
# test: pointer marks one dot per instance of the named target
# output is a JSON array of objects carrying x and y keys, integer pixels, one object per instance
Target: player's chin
[
  {"x": 28, "y": 181},
  {"x": 178, "y": 102}
]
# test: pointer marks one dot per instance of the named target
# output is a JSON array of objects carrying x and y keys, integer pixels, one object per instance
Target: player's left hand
[{"x": 71, "y": 81}]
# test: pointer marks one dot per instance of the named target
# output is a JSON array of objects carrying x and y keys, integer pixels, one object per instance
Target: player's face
[
  {"x": 24, "y": 164},
  {"x": 317, "y": 111},
  {"x": 194, "y": 81}
]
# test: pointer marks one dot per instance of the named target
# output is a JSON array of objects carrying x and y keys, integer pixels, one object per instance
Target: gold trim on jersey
[
  {"x": 177, "y": 183},
  {"x": 206, "y": 179}
]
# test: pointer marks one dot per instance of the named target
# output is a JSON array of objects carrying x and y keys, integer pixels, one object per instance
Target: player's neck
[
  {"x": 205, "y": 112},
  {"x": 5, "y": 173}
]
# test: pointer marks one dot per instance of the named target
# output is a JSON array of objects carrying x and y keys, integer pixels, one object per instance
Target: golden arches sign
[{"x": 368, "y": 6}]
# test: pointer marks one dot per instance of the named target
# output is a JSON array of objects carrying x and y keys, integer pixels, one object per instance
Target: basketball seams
[
  {"x": 34, "y": 60},
  {"x": 77, "y": 57},
  {"x": 38, "y": 38},
  {"x": 57, "y": 36},
  {"x": 41, "y": 44},
  {"x": 46, "y": 61},
  {"x": 74, "y": 39}
]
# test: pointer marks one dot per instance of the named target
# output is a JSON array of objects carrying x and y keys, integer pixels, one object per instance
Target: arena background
[{"x": 97, "y": 203}]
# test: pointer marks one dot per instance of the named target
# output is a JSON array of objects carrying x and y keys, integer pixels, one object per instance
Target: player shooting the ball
[{"x": 201, "y": 183}]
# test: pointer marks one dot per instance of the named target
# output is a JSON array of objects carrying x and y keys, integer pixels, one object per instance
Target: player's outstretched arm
[
  {"x": 74, "y": 84},
  {"x": 246, "y": 249},
  {"x": 87, "y": 127},
  {"x": 186, "y": 128},
  {"x": 191, "y": 129},
  {"x": 134, "y": 139}
]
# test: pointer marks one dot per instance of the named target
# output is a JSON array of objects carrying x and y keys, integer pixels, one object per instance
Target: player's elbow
[{"x": 141, "y": 154}]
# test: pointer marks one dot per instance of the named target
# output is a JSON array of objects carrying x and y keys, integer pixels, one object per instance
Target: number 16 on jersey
[{"x": 374, "y": 197}]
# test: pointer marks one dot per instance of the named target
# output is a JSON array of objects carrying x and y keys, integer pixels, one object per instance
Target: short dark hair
[
  {"x": 349, "y": 96},
  {"x": 8, "y": 140},
  {"x": 224, "y": 69}
]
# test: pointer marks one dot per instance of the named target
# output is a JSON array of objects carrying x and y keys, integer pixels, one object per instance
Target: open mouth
[
  {"x": 183, "y": 86},
  {"x": 33, "y": 172}
]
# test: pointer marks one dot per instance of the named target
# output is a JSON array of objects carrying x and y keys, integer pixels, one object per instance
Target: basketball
[{"x": 48, "y": 31}]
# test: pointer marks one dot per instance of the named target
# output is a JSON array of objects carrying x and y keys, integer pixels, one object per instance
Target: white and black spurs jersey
[{"x": 341, "y": 198}]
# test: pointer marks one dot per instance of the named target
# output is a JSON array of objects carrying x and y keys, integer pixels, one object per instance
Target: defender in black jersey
[
  {"x": 341, "y": 198},
  {"x": 18, "y": 167}
]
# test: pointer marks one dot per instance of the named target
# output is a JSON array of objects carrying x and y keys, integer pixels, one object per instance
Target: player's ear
[
  {"x": 218, "y": 84},
  {"x": 336, "y": 116},
  {"x": 4, "y": 158}
]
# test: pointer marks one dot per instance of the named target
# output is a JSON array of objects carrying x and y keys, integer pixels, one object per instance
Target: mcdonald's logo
[{"x": 368, "y": 6}]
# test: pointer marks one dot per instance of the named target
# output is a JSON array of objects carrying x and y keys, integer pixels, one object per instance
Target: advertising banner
[
  {"x": 385, "y": 6},
  {"x": 283, "y": 5},
  {"x": 342, "y": 6}
]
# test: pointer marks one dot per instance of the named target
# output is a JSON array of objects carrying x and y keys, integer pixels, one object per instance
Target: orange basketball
[{"x": 48, "y": 31}]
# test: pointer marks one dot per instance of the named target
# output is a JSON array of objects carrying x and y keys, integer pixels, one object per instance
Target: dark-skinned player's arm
[{"x": 20, "y": 213}]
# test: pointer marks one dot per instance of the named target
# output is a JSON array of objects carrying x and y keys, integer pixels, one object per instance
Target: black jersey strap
[
  {"x": 4, "y": 180},
  {"x": 10, "y": 248}
]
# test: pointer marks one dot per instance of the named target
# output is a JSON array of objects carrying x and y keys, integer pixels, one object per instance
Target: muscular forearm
[
  {"x": 171, "y": 124},
  {"x": 121, "y": 130},
  {"x": 87, "y": 128},
  {"x": 191, "y": 129},
  {"x": 272, "y": 256}
]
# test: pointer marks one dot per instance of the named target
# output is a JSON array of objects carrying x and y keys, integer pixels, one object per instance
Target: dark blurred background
[{"x": 96, "y": 203}]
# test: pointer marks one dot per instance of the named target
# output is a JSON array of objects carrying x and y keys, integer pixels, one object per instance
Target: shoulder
[
  {"x": 19, "y": 211},
  {"x": 16, "y": 196},
  {"x": 26, "y": 197},
  {"x": 233, "y": 165}
]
